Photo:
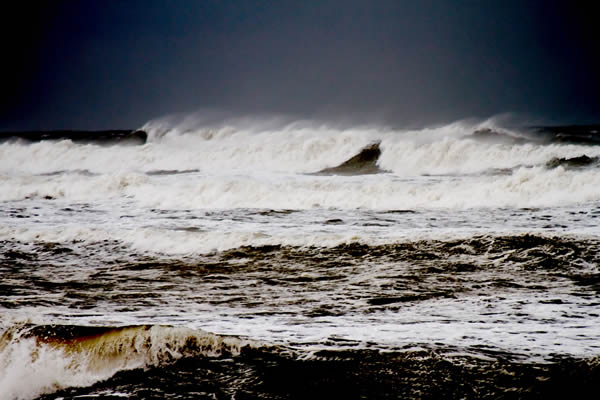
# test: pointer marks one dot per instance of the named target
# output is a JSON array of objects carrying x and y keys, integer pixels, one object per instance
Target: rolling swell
[
  {"x": 412, "y": 271},
  {"x": 418, "y": 290}
]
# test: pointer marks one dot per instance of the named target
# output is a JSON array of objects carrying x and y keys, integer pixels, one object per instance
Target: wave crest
[{"x": 61, "y": 356}]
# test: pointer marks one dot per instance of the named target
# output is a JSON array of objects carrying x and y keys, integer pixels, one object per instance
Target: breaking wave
[
  {"x": 272, "y": 163},
  {"x": 293, "y": 147},
  {"x": 77, "y": 361},
  {"x": 61, "y": 356},
  {"x": 520, "y": 187}
]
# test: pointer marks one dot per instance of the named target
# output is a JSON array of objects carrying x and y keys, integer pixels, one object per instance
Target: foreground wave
[
  {"x": 166, "y": 362},
  {"x": 62, "y": 356}
]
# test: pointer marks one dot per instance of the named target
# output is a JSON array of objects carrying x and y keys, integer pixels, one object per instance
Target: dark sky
[{"x": 117, "y": 64}]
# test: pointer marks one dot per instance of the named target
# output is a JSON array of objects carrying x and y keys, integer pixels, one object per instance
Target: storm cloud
[{"x": 101, "y": 65}]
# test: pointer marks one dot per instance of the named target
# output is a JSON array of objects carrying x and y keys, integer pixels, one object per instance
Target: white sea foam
[
  {"x": 522, "y": 187},
  {"x": 201, "y": 236},
  {"x": 469, "y": 156},
  {"x": 264, "y": 164},
  {"x": 155, "y": 240}
]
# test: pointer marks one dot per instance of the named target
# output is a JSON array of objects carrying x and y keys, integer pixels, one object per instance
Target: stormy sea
[{"x": 257, "y": 258}]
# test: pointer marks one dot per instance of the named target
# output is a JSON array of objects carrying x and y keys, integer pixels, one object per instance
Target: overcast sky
[{"x": 117, "y": 64}]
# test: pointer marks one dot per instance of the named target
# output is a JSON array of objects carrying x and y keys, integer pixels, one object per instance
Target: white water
[
  {"x": 292, "y": 148},
  {"x": 237, "y": 167},
  {"x": 237, "y": 182},
  {"x": 89, "y": 192}
]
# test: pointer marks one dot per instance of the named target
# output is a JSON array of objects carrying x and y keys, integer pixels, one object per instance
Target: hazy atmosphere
[{"x": 101, "y": 65}]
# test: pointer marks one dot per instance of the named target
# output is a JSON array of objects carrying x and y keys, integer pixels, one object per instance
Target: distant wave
[
  {"x": 279, "y": 144},
  {"x": 581, "y": 134},
  {"x": 568, "y": 134},
  {"x": 108, "y": 136},
  {"x": 248, "y": 163},
  {"x": 275, "y": 145}
]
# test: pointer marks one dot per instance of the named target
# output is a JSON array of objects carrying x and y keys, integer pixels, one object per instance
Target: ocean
[{"x": 259, "y": 258}]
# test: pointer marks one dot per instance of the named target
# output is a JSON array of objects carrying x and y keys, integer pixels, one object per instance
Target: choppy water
[{"x": 234, "y": 260}]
